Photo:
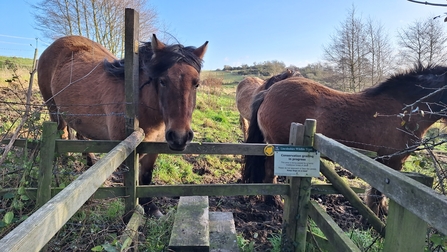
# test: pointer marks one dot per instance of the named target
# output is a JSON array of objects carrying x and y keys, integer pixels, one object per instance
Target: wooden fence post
[
  {"x": 47, "y": 150},
  {"x": 131, "y": 76},
  {"x": 404, "y": 230},
  {"x": 296, "y": 205}
]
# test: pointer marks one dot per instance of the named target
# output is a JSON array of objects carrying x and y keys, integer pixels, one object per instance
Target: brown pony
[
  {"x": 82, "y": 84},
  {"x": 248, "y": 88},
  {"x": 373, "y": 119}
]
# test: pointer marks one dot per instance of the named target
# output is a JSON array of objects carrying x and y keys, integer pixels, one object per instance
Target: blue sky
[{"x": 239, "y": 32}]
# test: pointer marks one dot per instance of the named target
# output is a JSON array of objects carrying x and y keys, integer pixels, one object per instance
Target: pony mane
[
  {"x": 164, "y": 59},
  {"x": 429, "y": 78},
  {"x": 282, "y": 76}
]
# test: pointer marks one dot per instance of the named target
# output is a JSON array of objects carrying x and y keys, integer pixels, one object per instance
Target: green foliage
[
  {"x": 322, "y": 73},
  {"x": 366, "y": 241},
  {"x": 15, "y": 204},
  {"x": 431, "y": 161},
  {"x": 95, "y": 227},
  {"x": 437, "y": 242},
  {"x": 245, "y": 245},
  {"x": 314, "y": 228},
  {"x": 158, "y": 232},
  {"x": 275, "y": 240}
]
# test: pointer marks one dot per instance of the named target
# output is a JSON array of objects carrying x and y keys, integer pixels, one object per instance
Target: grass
[
  {"x": 21, "y": 65},
  {"x": 227, "y": 77},
  {"x": 157, "y": 232}
]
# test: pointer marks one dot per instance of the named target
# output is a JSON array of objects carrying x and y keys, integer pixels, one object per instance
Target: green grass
[
  {"x": 174, "y": 169},
  {"x": 24, "y": 62},
  {"x": 365, "y": 241},
  {"x": 11, "y": 66},
  {"x": 228, "y": 77},
  {"x": 157, "y": 232}
]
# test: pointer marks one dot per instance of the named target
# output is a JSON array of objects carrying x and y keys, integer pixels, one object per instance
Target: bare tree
[
  {"x": 99, "y": 20},
  {"x": 360, "y": 52},
  {"x": 347, "y": 51},
  {"x": 380, "y": 53},
  {"x": 422, "y": 44}
]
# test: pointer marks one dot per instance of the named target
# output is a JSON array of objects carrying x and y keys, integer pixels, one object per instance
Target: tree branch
[{"x": 427, "y": 3}]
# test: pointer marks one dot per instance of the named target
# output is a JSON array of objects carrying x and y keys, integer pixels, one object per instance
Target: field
[{"x": 98, "y": 224}]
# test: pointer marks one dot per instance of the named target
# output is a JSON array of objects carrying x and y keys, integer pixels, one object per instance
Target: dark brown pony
[
  {"x": 248, "y": 88},
  {"x": 82, "y": 84},
  {"x": 373, "y": 119}
]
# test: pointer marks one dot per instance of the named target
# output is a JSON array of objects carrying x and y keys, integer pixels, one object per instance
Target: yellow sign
[{"x": 269, "y": 150}]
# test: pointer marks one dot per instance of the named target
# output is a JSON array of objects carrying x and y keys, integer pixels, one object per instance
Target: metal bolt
[{"x": 387, "y": 180}]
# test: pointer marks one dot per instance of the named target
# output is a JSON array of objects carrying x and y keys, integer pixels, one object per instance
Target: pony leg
[
  {"x": 146, "y": 168},
  {"x": 56, "y": 117},
  {"x": 376, "y": 201},
  {"x": 91, "y": 158},
  {"x": 244, "y": 127}
]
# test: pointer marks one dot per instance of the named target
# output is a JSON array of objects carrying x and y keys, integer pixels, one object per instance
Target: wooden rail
[
  {"x": 419, "y": 199},
  {"x": 41, "y": 226},
  {"x": 194, "y": 190}
]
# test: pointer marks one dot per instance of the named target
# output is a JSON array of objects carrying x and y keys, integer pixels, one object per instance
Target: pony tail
[
  {"x": 254, "y": 132},
  {"x": 254, "y": 165}
]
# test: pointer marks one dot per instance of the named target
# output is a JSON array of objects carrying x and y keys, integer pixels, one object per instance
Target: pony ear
[
  {"x": 156, "y": 44},
  {"x": 200, "y": 52}
]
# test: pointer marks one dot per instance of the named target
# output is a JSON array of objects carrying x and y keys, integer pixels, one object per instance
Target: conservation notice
[{"x": 296, "y": 161}]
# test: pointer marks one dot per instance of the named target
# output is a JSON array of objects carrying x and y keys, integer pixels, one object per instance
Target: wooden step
[
  {"x": 191, "y": 225},
  {"x": 222, "y": 232},
  {"x": 197, "y": 229}
]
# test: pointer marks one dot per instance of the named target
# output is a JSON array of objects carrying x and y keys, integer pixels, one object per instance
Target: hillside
[{"x": 21, "y": 62}]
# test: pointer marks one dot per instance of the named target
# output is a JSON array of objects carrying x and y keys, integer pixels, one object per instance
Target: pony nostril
[
  {"x": 190, "y": 136},
  {"x": 178, "y": 141},
  {"x": 170, "y": 135}
]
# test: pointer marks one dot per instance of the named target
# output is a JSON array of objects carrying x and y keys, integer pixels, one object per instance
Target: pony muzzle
[{"x": 178, "y": 141}]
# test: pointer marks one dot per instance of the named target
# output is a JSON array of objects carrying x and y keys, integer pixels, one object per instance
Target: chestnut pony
[
  {"x": 248, "y": 88},
  {"x": 82, "y": 84},
  {"x": 373, "y": 119}
]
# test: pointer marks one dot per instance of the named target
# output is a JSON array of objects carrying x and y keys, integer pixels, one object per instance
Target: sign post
[{"x": 296, "y": 204}]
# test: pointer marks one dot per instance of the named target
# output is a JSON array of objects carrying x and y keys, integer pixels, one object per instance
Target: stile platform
[{"x": 196, "y": 229}]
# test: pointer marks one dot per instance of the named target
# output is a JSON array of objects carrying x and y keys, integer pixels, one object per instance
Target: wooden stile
[
  {"x": 222, "y": 232},
  {"x": 191, "y": 225}
]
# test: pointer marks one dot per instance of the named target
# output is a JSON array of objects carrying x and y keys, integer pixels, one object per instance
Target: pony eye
[
  {"x": 162, "y": 83},
  {"x": 196, "y": 84}
]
